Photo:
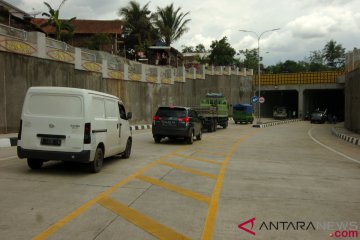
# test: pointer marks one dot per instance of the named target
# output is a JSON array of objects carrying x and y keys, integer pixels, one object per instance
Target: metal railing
[
  {"x": 13, "y": 32},
  {"x": 56, "y": 44}
]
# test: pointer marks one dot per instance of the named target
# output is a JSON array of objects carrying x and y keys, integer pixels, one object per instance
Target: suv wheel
[
  {"x": 157, "y": 139},
  {"x": 198, "y": 137},
  {"x": 190, "y": 139}
]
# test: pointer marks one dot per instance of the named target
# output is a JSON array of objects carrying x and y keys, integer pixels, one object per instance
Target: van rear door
[{"x": 53, "y": 122}]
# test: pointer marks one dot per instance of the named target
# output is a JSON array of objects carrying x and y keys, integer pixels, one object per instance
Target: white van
[{"x": 71, "y": 124}]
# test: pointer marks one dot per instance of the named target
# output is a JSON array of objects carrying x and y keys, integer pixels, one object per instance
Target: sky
[{"x": 305, "y": 25}]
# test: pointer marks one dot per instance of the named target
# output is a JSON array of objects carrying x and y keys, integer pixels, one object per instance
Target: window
[{"x": 122, "y": 111}]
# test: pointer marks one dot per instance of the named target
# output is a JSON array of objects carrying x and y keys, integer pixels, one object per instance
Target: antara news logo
[{"x": 337, "y": 229}]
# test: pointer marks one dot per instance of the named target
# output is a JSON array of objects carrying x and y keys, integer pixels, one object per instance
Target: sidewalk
[{"x": 341, "y": 132}]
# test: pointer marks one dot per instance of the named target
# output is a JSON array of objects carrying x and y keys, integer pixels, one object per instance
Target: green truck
[{"x": 213, "y": 111}]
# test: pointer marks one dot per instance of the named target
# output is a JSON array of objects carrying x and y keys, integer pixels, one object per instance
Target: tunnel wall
[{"x": 352, "y": 100}]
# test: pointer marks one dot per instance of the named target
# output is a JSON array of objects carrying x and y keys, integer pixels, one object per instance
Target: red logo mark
[{"x": 241, "y": 226}]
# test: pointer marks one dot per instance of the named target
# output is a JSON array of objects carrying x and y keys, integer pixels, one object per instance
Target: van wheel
[
  {"x": 190, "y": 139},
  {"x": 198, "y": 137},
  {"x": 127, "y": 151},
  {"x": 96, "y": 165},
  {"x": 34, "y": 163}
]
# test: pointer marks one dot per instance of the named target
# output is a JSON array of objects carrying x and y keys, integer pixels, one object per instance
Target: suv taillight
[
  {"x": 156, "y": 118},
  {"x": 185, "y": 119},
  {"x": 20, "y": 129},
  {"x": 87, "y": 133}
]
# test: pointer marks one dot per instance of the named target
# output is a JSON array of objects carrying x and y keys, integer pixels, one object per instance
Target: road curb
[
  {"x": 8, "y": 142},
  {"x": 12, "y": 141},
  {"x": 269, "y": 124},
  {"x": 352, "y": 140},
  {"x": 141, "y": 127}
]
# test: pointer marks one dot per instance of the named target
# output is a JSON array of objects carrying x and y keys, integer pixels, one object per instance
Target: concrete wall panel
[{"x": 19, "y": 72}]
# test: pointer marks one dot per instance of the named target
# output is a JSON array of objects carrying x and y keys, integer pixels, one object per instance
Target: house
[
  {"x": 104, "y": 35},
  {"x": 14, "y": 17}
]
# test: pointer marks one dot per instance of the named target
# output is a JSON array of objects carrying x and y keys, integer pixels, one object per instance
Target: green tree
[
  {"x": 187, "y": 49},
  {"x": 200, "y": 48},
  {"x": 316, "y": 61},
  {"x": 250, "y": 60},
  {"x": 98, "y": 41},
  {"x": 59, "y": 25},
  {"x": 334, "y": 55},
  {"x": 138, "y": 30},
  {"x": 221, "y": 52},
  {"x": 170, "y": 23}
]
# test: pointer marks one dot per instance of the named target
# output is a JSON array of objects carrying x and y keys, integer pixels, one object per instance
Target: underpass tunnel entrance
[
  {"x": 331, "y": 99},
  {"x": 279, "y": 98}
]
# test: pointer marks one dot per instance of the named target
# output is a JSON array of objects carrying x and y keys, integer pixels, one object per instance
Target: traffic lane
[
  {"x": 34, "y": 199},
  {"x": 322, "y": 133},
  {"x": 7, "y": 153},
  {"x": 165, "y": 206},
  {"x": 282, "y": 175}
]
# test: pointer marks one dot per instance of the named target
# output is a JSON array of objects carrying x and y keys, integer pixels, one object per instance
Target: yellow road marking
[
  {"x": 189, "y": 170},
  {"x": 56, "y": 226},
  {"x": 211, "y": 216},
  {"x": 211, "y": 153},
  {"x": 198, "y": 159},
  {"x": 176, "y": 189},
  {"x": 151, "y": 226}
]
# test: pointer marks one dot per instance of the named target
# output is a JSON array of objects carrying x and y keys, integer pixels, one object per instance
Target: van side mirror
[{"x": 129, "y": 115}]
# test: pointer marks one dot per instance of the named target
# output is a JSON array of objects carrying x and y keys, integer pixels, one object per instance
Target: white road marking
[{"x": 331, "y": 149}]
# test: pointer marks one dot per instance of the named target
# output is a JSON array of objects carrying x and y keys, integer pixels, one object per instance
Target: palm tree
[
  {"x": 138, "y": 30},
  {"x": 170, "y": 23},
  {"x": 54, "y": 20},
  {"x": 334, "y": 55}
]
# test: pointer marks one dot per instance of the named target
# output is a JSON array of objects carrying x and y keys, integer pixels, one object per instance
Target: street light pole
[{"x": 258, "y": 38}]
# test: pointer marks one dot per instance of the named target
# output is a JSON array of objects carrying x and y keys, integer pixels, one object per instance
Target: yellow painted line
[
  {"x": 147, "y": 224},
  {"x": 189, "y": 170},
  {"x": 198, "y": 159},
  {"x": 211, "y": 153},
  {"x": 58, "y": 225},
  {"x": 176, "y": 189},
  {"x": 211, "y": 215}
]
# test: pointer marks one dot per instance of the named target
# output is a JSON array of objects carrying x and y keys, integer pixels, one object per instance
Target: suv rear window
[{"x": 171, "y": 112}]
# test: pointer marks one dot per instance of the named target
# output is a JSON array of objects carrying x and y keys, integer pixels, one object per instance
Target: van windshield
[{"x": 55, "y": 105}]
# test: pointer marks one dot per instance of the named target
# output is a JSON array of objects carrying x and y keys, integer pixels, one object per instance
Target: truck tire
[
  {"x": 96, "y": 165},
  {"x": 225, "y": 125},
  {"x": 214, "y": 125},
  {"x": 34, "y": 163}
]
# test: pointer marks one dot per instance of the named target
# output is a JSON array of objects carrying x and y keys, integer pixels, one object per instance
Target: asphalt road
[{"x": 291, "y": 181}]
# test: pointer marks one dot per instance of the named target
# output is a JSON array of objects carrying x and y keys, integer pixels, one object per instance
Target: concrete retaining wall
[
  {"x": 352, "y": 100},
  {"x": 19, "y": 72}
]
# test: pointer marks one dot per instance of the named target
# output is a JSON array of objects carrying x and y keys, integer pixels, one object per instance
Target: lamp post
[{"x": 258, "y": 39}]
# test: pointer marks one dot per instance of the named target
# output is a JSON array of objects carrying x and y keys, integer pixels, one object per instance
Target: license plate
[
  {"x": 50, "y": 141},
  {"x": 168, "y": 123}
]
